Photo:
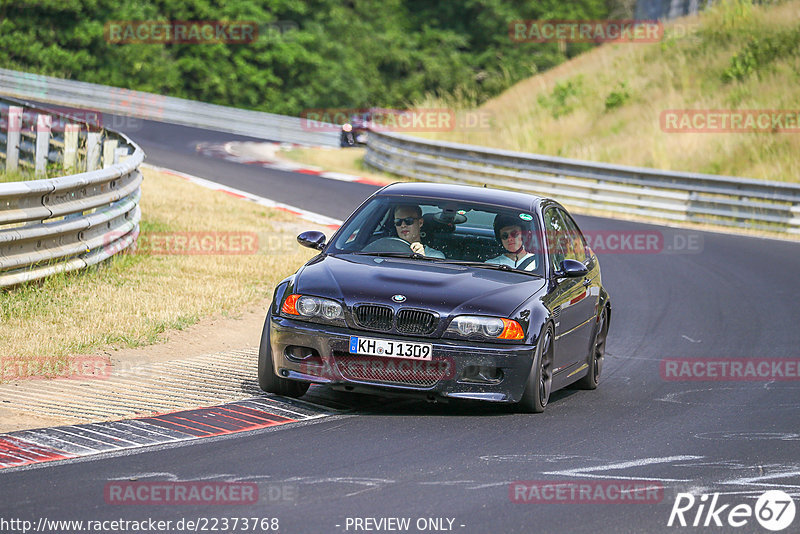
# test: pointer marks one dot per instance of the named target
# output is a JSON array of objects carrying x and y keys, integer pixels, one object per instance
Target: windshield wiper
[
  {"x": 413, "y": 255},
  {"x": 498, "y": 266}
]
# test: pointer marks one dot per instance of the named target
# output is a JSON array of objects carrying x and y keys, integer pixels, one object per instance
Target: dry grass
[
  {"x": 677, "y": 73},
  {"x": 16, "y": 176},
  {"x": 131, "y": 299}
]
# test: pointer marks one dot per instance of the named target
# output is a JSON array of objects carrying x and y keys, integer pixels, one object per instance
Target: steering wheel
[{"x": 388, "y": 244}]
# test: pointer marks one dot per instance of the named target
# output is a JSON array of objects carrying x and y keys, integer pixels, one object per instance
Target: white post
[
  {"x": 43, "y": 125},
  {"x": 92, "y": 151},
  {"x": 71, "y": 147},
  {"x": 12, "y": 137},
  {"x": 120, "y": 154},
  {"x": 109, "y": 147}
]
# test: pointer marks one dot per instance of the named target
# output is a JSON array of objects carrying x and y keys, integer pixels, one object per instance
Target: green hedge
[{"x": 336, "y": 53}]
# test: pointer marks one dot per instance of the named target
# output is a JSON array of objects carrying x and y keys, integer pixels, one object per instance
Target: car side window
[
  {"x": 556, "y": 238},
  {"x": 575, "y": 238}
]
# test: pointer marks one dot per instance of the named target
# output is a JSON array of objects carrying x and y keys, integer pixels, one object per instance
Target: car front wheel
[
  {"x": 540, "y": 381},
  {"x": 596, "y": 353}
]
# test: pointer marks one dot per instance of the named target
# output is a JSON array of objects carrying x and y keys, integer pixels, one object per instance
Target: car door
[
  {"x": 562, "y": 292},
  {"x": 585, "y": 291}
]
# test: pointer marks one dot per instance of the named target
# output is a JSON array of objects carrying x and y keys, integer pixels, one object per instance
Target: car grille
[
  {"x": 376, "y": 369},
  {"x": 415, "y": 322},
  {"x": 374, "y": 317},
  {"x": 382, "y": 318}
]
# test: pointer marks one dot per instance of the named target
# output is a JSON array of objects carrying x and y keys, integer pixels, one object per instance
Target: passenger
[
  {"x": 408, "y": 222},
  {"x": 509, "y": 232}
]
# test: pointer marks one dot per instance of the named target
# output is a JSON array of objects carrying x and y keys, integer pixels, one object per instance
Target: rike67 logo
[{"x": 774, "y": 510}]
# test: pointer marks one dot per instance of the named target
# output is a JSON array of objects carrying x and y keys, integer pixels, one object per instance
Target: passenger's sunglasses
[
  {"x": 506, "y": 235},
  {"x": 408, "y": 221}
]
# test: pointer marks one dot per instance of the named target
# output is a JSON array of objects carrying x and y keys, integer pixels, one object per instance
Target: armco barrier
[
  {"x": 61, "y": 224},
  {"x": 679, "y": 196},
  {"x": 164, "y": 108}
]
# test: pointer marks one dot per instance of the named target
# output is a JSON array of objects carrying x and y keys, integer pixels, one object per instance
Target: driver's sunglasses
[
  {"x": 408, "y": 221},
  {"x": 506, "y": 235}
]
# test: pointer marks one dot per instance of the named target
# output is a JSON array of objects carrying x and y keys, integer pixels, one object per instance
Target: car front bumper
[{"x": 319, "y": 353}]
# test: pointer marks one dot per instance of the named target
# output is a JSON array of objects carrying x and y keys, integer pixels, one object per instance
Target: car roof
[{"x": 485, "y": 195}]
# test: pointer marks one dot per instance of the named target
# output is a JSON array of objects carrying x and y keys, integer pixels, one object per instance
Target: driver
[
  {"x": 408, "y": 223},
  {"x": 509, "y": 233}
]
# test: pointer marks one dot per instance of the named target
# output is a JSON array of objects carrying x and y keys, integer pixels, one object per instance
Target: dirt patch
[{"x": 211, "y": 335}]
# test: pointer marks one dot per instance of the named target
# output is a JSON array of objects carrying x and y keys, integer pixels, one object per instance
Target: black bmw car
[{"x": 442, "y": 291}]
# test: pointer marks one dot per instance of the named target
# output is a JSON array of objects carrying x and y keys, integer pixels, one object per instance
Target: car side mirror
[
  {"x": 312, "y": 239},
  {"x": 572, "y": 269}
]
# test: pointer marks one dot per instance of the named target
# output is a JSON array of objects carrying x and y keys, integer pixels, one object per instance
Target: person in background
[
  {"x": 408, "y": 223},
  {"x": 510, "y": 233}
]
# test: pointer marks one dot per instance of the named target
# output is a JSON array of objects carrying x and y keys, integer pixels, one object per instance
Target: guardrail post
[
  {"x": 71, "y": 146},
  {"x": 109, "y": 148},
  {"x": 92, "y": 151},
  {"x": 12, "y": 139},
  {"x": 43, "y": 126}
]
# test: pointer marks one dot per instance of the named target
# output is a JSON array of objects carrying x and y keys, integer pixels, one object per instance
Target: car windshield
[{"x": 450, "y": 231}]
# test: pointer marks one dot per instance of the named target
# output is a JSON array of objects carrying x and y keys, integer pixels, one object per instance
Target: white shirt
[
  {"x": 433, "y": 253},
  {"x": 502, "y": 259}
]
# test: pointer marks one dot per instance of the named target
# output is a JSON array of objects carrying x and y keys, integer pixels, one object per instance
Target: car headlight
[
  {"x": 488, "y": 327},
  {"x": 313, "y": 308}
]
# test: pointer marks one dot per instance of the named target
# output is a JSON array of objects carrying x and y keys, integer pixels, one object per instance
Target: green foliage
[
  {"x": 618, "y": 96},
  {"x": 760, "y": 52},
  {"x": 562, "y": 100},
  {"x": 327, "y": 53}
]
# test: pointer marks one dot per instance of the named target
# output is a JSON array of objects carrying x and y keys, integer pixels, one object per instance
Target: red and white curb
[
  {"x": 310, "y": 216},
  {"x": 226, "y": 151},
  {"x": 27, "y": 447}
]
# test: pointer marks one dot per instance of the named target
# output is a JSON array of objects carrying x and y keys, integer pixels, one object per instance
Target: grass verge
[
  {"x": 606, "y": 105},
  {"x": 132, "y": 299}
]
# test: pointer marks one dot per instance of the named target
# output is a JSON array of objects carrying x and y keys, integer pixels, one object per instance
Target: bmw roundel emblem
[{"x": 399, "y": 298}]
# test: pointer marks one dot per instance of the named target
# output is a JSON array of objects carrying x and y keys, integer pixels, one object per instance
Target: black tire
[
  {"x": 540, "y": 380},
  {"x": 267, "y": 379},
  {"x": 597, "y": 352}
]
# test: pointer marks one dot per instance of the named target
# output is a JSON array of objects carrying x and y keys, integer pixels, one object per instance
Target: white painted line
[
  {"x": 584, "y": 471},
  {"x": 47, "y": 437},
  {"x": 84, "y": 427},
  {"x": 271, "y": 407},
  {"x": 340, "y": 176},
  {"x": 61, "y": 429},
  {"x": 755, "y": 481},
  {"x": 150, "y": 429}
]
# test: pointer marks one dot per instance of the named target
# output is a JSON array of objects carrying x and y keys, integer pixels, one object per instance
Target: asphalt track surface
[{"x": 729, "y": 297}]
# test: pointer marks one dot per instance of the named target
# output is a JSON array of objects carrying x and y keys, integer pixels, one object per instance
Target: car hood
[{"x": 447, "y": 289}]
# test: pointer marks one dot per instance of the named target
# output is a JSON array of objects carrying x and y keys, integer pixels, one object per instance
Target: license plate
[{"x": 391, "y": 349}]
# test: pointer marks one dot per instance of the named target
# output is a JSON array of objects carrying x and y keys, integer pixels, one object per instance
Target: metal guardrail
[
  {"x": 48, "y": 226},
  {"x": 165, "y": 109},
  {"x": 679, "y": 196}
]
